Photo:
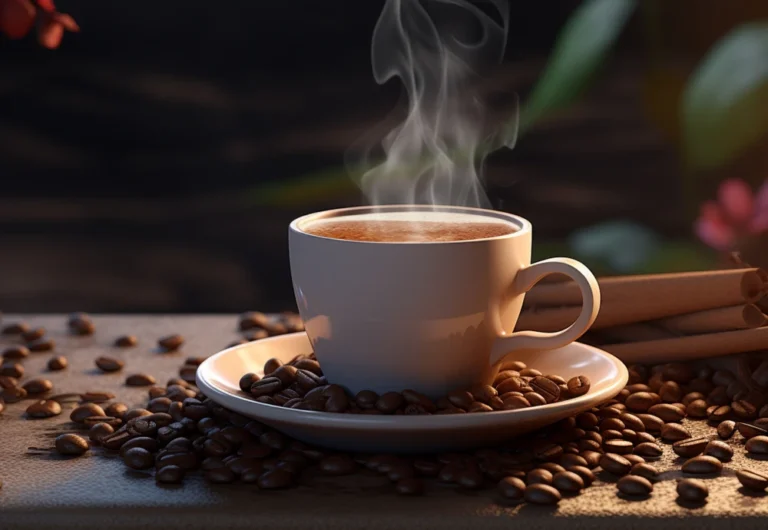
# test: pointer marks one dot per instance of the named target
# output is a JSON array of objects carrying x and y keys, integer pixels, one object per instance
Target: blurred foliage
[
  {"x": 581, "y": 48},
  {"x": 667, "y": 256},
  {"x": 623, "y": 245},
  {"x": 725, "y": 104}
]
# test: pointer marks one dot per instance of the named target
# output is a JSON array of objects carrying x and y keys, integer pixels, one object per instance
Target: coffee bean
[
  {"x": 546, "y": 388},
  {"x": 720, "y": 450},
  {"x": 87, "y": 410},
  {"x": 160, "y": 404},
  {"x": 504, "y": 374},
  {"x": 253, "y": 319},
  {"x": 539, "y": 476},
  {"x": 11, "y": 369},
  {"x": 757, "y": 445},
  {"x": 619, "y": 447},
  {"x": 512, "y": 488},
  {"x": 690, "y": 447},
  {"x": 337, "y": 465},
  {"x": 169, "y": 475},
  {"x": 57, "y": 363},
  {"x": 126, "y": 341},
  {"x": 668, "y": 413},
  {"x": 41, "y": 345},
  {"x": 690, "y": 397},
  {"x": 678, "y": 372},
  {"x": 13, "y": 395},
  {"x": 109, "y": 364},
  {"x": 616, "y": 464},
  {"x": 410, "y": 487},
  {"x": 97, "y": 396},
  {"x": 643, "y": 437},
  {"x": 612, "y": 435},
  {"x": 641, "y": 401},
  {"x": 80, "y": 324},
  {"x": 71, "y": 444},
  {"x": 16, "y": 328},
  {"x": 286, "y": 374},
  {"x": 719, "y": 414},
  {"x": 15, "y": 352},
  {"x": 511, "y": 384},
  {"x": 648, "y": 449},
  {"x": 578, "y": 386},
  {"x": 592, "y": 458},
  {"x": 541, "y": 494},
  {"x": 752, "y": 480},
  {"x": 571, "y": 460},
  {"x": 99, "y": 431},
  {"x": 702, "y": 465},
  {"x": 670, "y": 392},
  {"x": 587, "y": 420},
  {"x": 275, "y": 479},
  {"x": 43, "y": 409},
  {"x": 37, "y": 386},
  {"x": 612, "y": 424},
  {"x": 139, "y": 380},
  {"x": 644, "y": 470},
  {"x": 389, "y": 402},
  {"x": 697, "y": 409},
  {"x": 138, "y": 458},
  {"x": 338, "y": 401},
  {"x": 652, "y": 423},
  {"x": 673, "y": 432},
  {"x": 145, "y": 442},
  {"x": 692, "y": 490},
  {"x": 220, "y": 475},
  {"x": 744, "y": 409},
  {"x": 115, "y": 441},
  {"x": 635, "y": 486},
  {"x": 585, "y": 473},
  {"x": 93, "y": 420},
  {"x": 548, "y": 453},
  {"x": 552, "y": 467},
  {"x": 726, "y": 428},
  {"x": 749, "y": 430},
  {"x": 632, "y": 422},
  {"x": 171, "y": 342},
  {"x": 568, "y": 482},
  {"x": 247, "y": 381}
]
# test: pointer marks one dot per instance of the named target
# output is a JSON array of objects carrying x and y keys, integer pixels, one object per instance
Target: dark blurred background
[{"x": 153, "y": 161}]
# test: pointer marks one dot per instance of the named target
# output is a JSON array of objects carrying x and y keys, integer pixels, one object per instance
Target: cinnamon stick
[
  {"x": 691, "y": 347},
  {"x": 640, "y": 331},
  {"x": 745, "y": 316},
  {"x": 701, "y": 290},
  {"x": 631, "y": 299}
]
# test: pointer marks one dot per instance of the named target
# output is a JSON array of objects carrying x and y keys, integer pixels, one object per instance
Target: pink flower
[
  {"x": 737, "y": 213},
  {"x": 18, "y": 16}
]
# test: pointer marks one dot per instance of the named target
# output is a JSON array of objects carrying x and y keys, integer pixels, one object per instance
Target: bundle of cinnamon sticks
[{"x": 662, "y": 317}]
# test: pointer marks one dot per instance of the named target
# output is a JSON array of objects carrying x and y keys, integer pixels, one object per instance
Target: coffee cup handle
[{"x": 537, "y": 340}]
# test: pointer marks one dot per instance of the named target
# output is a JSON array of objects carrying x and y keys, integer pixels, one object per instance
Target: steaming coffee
[{"x": 417, "y": 227}]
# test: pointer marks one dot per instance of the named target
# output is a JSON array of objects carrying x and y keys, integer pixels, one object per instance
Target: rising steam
[{"x": 436, "y": 48}]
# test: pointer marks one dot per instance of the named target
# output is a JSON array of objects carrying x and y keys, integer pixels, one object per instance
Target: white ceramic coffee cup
[{"x": 427, "y": 316}]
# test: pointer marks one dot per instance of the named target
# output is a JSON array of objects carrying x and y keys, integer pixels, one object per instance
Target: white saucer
[{"x": 218, "y": 377}]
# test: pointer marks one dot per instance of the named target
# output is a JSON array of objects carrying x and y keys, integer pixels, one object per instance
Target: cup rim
[{"x": 523, "y": 225}]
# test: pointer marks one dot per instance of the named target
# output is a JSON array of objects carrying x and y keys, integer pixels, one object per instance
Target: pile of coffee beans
[
  {"x": 180, "y": 432},
  {"x": 300, "y": 384}
]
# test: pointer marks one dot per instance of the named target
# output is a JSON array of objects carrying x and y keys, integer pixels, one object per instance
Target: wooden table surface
[{"x": 43, "y": 490}]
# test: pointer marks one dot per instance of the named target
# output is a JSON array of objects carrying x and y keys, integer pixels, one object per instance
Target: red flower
[
  {"x": 16, "y": 17},
  {"x": 736, "y": 214},
  {"x": 51, "y": 26}
]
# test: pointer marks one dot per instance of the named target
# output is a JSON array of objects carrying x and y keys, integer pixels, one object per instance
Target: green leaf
[
  {"x": 725, "y": 103},
  {"x": 581, "y": 47}
]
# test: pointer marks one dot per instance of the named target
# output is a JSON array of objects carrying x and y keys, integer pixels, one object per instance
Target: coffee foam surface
[{"x": 414, "y": 217}]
